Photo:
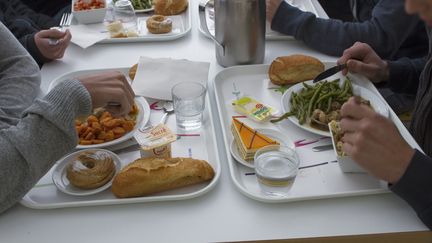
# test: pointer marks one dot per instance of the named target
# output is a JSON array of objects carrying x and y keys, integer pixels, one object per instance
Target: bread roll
[
  {"x": 170, "y": 7},
  {"x": 150, "y": 175},
  {"x": 293, "y": 69}
]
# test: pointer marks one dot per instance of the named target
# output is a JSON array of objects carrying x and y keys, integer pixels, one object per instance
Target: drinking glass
[
  {"x": 189, "y": 103},
  {"x": 276, "y": 168},
  {"x": 125, "y": 13}
]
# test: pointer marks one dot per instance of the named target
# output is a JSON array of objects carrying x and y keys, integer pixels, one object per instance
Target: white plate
[
  {"x": 144, "y": 10},
  {"x": 142, "y": 119},
  {"x": 377, "y": 104},
  {"x": 62, "y": 183},
  {"x": 143, "y": 106},
  {"x": 273, "y": 134}
]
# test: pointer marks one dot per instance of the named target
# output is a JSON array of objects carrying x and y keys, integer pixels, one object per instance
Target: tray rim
[
  {"x": 28, "y": 202},
  {"x": 234, "y": 172}
]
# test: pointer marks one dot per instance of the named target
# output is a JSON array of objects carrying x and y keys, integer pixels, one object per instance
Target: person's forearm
[
  {"x": 415, "y": 187},
  {"x": 45, "y": 133},
  {"x": 333, "y": 36}
]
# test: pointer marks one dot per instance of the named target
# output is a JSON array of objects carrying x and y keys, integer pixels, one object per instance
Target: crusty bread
[
  {"x": 150, "y": 175},
  {"x": 293, "y": 69},
  {"x": 170, "y": 7},
  {"x": 132, "y": 71}
]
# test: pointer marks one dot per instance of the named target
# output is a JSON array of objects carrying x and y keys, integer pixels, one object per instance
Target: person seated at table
[
  {"x": 33, "y": 31},
  {"x": 374, "y": 141},
  {"x": 34, "y": 133},
  {"x": 383, "y": 24},
  {"x": 53, "y": 8}
]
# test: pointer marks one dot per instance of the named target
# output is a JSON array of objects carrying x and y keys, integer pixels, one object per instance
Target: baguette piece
[
  {"x": 150, "y": 175},
  {"x": 294, "y": 69},
  {"x": 170, "y": 7}
]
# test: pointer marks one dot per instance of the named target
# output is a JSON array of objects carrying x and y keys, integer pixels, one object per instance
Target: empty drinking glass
[
  {"x": 125, "y": 13},
  {"x": 189, "y": 103}
]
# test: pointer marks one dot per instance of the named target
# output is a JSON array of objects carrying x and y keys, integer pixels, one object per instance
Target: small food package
[
  {"x": 253, "y": 108},
  {"x": 156, "y": 142}
]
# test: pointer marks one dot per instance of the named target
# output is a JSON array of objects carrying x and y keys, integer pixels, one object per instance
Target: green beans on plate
[{"x": 321, "y": 101}]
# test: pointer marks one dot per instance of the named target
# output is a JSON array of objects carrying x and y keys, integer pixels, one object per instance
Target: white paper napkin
[
  {"x": 156, "y": 76},
  {"x": 88, "y": 35}
]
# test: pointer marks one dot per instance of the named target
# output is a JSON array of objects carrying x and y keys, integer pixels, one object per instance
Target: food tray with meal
[
  {"x": 150, "y": 26},
  {"x": 195, "y": 164},
  {"x": 247, "y": 88},
  {"x": 305, "y": 5}
]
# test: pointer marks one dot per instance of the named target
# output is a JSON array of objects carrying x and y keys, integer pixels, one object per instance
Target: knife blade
[
  {"x": 329, "y": 72},
  {"x": 322, "y": 148}
]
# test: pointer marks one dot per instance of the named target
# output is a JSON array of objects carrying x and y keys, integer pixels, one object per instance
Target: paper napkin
[
  {"x": 88, "y": 35},
  {"x": 156, "y": 76}
]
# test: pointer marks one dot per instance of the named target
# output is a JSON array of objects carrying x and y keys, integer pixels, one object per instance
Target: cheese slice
[{"x": 249, "y": 140}]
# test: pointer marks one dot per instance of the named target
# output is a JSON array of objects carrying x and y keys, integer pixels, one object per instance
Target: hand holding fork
[{"x": 52, "y": 43}]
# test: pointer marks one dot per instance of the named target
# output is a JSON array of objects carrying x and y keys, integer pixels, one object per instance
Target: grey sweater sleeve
[
  {"x": 33, "y": 139},
  {"x": 415, "y": 187},
  {"x": 385, "y": 32},
  {"x": 19, "y": 79}
]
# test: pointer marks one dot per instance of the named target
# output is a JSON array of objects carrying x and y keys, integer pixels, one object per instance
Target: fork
[
  {"x": 168, "y": 109},
  {"x": 65, "y": 21}
]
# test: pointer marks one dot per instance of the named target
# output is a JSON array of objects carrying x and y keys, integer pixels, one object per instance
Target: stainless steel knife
[
  {"x": 329, "y": 72},
  {"x": 322, "y": 148}
]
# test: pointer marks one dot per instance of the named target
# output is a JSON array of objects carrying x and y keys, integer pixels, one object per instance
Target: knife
[
  {"x": 322, "y": 148},
  {"x": 329, "y": 72}
]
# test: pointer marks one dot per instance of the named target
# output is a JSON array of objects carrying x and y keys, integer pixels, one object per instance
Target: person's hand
[
  {"x": 50, "y": 50},
  {"x": 374, "y": 142},
  {"x": 361, "y": 58},
  {"x": 271, "y": 8},
  {"x": 110, "y": 90}
]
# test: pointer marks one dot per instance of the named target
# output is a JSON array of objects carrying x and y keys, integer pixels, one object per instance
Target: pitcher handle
[{"x": 203, "y": 21}]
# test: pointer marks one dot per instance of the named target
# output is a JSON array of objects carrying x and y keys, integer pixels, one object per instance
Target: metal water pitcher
[{"x": 239, "y": 30}]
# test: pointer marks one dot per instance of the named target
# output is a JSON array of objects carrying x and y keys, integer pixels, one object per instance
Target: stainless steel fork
[{"x": 65, "y": 21}]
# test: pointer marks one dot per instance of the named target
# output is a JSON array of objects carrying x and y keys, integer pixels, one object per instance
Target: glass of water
[
  {"x": 189, "y": 104},
  {"x": 125, "y": 13},
  {"x": 276, "y": 168}
]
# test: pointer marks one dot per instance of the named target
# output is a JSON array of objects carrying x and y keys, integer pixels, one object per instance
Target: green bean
[
  {"x": 329, "y": 102},
  {"x": 314, "y": 97},
  {"x": 283, "y": 117},
  {"x": 307, "y": 86}
]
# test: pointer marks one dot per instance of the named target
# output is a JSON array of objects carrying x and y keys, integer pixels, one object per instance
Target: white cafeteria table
[{"x": 223, "y": 214}]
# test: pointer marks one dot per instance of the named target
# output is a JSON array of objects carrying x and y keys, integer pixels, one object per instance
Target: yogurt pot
[{"x": 156, "y": 142}]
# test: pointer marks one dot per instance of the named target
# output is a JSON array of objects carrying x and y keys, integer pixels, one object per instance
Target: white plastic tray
[
  {"x": 181, "y": 26},
  {"x": 305, "y": 5},
  {"x": 201, "y": 144},
  {"x": 324, "y": 181}
]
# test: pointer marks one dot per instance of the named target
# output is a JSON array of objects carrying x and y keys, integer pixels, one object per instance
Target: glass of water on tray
[
  {"x": 276, "y": 168},
  {"x": 189, "y": 104},
  {"x": 125, "y": 13}
]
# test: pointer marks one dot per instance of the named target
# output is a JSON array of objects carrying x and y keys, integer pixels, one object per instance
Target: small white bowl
[
  {"x": 89, "y": 16},
  {"x": 346, "y": 163}
]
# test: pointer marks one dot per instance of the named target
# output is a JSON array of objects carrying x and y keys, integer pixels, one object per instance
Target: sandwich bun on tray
[
  {"x": 146, "y": 176},
  {"x": 294, "y": 69},
  {"x": 170, "y": 7}
]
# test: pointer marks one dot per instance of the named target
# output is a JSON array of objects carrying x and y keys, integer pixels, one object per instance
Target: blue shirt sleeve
[{"x": 385, "y": 32}]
